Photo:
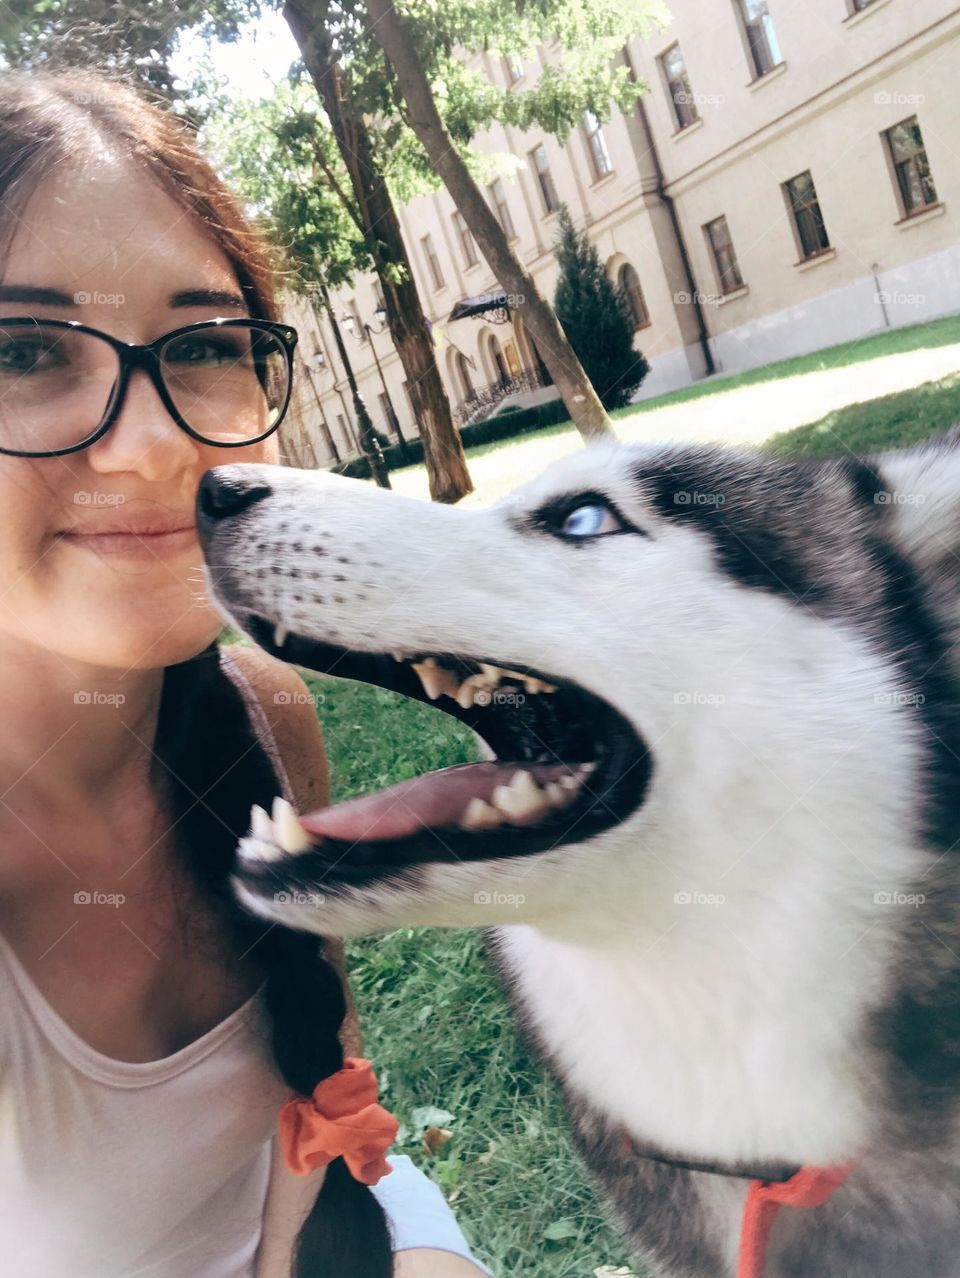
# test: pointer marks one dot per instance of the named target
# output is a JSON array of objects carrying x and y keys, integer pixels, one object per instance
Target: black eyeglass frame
[{"x": 132, "y": 356}]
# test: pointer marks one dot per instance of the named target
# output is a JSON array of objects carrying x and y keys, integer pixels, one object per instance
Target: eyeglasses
[{"x": 62, "y": 384}]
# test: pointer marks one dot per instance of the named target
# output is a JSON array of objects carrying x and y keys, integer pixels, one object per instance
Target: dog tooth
[
  {"x": 466, "y": 693},
  {"x": 255, "y": 849},
  {"x": 397, "y": 655},
  {"x": 288, "y": 831},
  {"x": 261, "y": 827},
  {"x": 280, "y": 633},
  {"x": 479, "y": 815},
  {"x": 430, "y": 677},
  {"x": 586, "y": 768},
  {"x": 521, "y": 797},
  {"x": 569, "y": 782}
]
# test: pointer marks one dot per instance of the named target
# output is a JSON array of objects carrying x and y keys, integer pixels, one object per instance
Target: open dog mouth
[{"x": 567, "y": 766}]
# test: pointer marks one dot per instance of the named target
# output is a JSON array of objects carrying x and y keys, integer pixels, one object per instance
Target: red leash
[{"x": 809, "y": 1187}]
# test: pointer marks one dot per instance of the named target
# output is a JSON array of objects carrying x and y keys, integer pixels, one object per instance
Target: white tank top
[{"x": 116, "y": 1169}]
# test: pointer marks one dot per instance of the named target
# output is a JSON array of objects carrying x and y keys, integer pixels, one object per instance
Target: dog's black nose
[{"x": 222, "y": 495}]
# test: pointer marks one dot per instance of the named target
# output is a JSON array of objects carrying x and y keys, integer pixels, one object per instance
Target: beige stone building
[{"x": 791, "y": 180}]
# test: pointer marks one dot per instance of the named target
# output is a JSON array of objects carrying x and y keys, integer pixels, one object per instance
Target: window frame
[
  {"x": 432, "y": 259},
  {"x": 801, "y": 212},
  {"x": 597, "y": 147},
  {"x": 468, "y": 245},
  {"x": 757, "y": 36},
  {"x": 635, "y": 298},
  {"x": 670, "y": 83},
  {"x": 544, "y": 180},
  {"x": 734, "y": 262},
  {"x": 900, "y": 186},
  {"x": 501, "y": 208}
]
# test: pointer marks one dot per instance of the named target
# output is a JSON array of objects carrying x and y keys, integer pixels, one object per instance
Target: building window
[
  {"x": 724, "y": 257},
  {"x": 629, "y": 282},
  {"x": 514, "y": 68},
  {"x": 466, "y": 381},
  {"x": 761, "y": 37},
  {"x": 468, "y": 246},
  {"x": 548, "y": 192},
  {"x": 803, "y": 204},
  {"x": 678, "y": 86},
  {"x": 597, "y": 145},
  {"x": 502, "y": 209},
  {"x": 911, "y": 166},
  {"x": 386, "y": 410},
  {"x": 433, "y": 262}
]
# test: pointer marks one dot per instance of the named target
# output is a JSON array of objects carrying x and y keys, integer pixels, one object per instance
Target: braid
[{"x": 212, "y": 769}]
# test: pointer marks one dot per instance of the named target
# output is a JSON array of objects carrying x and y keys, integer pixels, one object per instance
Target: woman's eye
[
  {"x": 202, "y": 352},
  {"x": 590, "y": 520},
  {"x": 23, "y": 357}
]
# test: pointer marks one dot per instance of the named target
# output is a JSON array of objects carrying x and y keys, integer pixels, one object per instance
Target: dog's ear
[{"x": 920, "y": 492}]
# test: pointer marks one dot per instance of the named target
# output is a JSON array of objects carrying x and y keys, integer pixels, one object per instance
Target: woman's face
[{"x": 131, "y": 262}]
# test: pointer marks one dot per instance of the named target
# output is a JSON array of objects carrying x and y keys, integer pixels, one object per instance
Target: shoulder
[{"x": 291, "y": 713}]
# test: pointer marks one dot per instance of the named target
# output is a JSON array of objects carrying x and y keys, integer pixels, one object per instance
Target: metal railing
[{"x": 486, "y": 398}]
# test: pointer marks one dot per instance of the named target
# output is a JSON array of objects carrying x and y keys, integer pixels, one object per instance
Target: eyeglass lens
[{"x": 228, "y": 384}]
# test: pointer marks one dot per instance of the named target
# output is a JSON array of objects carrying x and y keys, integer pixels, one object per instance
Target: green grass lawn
[
  {"x": 435, "y": 1022},
  {"x": 942, "y": 332}
]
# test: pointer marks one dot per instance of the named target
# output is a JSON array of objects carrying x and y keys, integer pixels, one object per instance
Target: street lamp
[{"x": 350, "y": 324}]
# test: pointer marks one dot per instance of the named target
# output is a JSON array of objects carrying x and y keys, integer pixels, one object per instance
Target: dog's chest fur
[{"x": 691, "y": 1080}]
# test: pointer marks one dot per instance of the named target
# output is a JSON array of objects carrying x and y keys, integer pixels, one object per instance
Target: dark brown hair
[{"x": 204, "y": 744}]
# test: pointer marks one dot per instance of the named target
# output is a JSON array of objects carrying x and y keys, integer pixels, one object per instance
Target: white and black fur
[{"x": 757, "y": 967}]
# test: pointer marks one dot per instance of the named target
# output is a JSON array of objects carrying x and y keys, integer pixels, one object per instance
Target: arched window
[
  {"x": 463, "y": 369},
  {"x": 629, "y": 282}
]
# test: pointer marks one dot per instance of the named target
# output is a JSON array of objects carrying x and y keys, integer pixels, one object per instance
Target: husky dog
[{"x": 717, "y": 839}]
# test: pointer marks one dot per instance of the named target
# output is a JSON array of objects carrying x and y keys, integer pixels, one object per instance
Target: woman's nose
[{"x": 225, "y": 492}]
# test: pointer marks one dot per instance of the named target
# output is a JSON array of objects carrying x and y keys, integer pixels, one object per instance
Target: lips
[{"x": 133, "y": 528}]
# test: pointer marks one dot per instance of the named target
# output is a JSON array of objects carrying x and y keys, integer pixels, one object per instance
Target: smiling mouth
[{"x": 567, "y": 767}]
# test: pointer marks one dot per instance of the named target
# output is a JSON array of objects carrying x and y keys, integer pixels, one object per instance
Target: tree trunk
[
  {"x": 582, "y": 401},
  {"x": 442, "y": 446}
]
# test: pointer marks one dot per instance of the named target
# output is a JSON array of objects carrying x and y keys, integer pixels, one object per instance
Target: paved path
[{"x": 745, "y": 415}]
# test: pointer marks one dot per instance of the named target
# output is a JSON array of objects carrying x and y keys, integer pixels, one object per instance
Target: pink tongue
[{"x": 434, "y": 799}]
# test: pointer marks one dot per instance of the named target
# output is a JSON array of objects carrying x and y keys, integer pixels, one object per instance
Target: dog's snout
[{"x": 222, "y": 495}]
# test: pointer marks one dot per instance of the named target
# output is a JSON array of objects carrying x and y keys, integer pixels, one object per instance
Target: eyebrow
[{"x": 54, "y": 297}]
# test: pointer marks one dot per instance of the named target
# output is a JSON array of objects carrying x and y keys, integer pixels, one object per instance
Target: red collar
[{"x": 807, "y": 1187}]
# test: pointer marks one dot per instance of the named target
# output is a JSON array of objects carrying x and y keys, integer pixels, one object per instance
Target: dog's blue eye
[{"x": 590, "y": 520}]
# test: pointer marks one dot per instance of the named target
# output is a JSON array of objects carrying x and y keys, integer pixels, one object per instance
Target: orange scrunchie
[{"x": 341, "y": 1119}]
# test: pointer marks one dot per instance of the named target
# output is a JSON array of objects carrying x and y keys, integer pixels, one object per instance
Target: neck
[{"x": 73, "y": 733}]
